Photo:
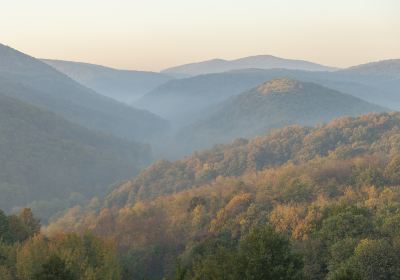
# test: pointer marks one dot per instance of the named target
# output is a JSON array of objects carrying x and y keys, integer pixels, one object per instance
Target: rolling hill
[
  {"x": 33, "y": 81},
  {"x": 259, "y": 61},
  {"x": 273, "y": 104},
  {"x": 123, "y": 85},
  {"x": 185, "y": 100},
  {"x": 45, "y": 156}
]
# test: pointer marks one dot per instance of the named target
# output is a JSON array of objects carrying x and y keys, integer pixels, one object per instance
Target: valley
[{"x": 200, "y": 140}]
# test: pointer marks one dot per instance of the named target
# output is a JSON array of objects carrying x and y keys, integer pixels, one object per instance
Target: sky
[{"x": 156, "y": 34}]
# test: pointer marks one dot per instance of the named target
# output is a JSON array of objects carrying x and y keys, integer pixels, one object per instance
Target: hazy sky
[{"x": 154, "y": 34}]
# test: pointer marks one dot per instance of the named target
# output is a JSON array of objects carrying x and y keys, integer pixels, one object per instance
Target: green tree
[
  {"x": 346, "y": 272},
  {"x": 265, "y": 254},
  {"x": 346, "y": 222},
  {"x": 377, "y": 259},
  {"x": 180, "y": 271},
  {"x": 54, "y": 269},
  {"x": 262, "y": 254},
  {"x": 5, "y": 234}
]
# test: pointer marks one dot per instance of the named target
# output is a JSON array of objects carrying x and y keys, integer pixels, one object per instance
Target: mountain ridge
[
  {"x": 184, "y": 100},
  {"x": 387, "y": 67},
  {"x": 35, "y": 82},
  {"x": 120, "y": 84},
  {"x": 257, "y": 61}
]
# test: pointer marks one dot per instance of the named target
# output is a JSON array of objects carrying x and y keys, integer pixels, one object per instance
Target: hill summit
[
  {"x": 279, "y": 85},
  {"x": 273, "y": 104}
]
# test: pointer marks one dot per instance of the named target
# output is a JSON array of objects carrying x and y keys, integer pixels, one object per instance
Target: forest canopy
[{"x": 325, "y": 200}]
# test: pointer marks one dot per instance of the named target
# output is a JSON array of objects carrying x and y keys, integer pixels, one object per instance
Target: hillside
[
  {"x": 45, "y": 157},
  {"x": 346, "y": 137},
  {"x": 123, "y": 85},
  {"x": 331, "y": 191},
  {"x": 185, "y": 100},
  {"x": 35, "y": 82},
  {"x": 258, "y": 61},
  {"x": 273, "y": 104},
  {"x": 389, "y": 68}
]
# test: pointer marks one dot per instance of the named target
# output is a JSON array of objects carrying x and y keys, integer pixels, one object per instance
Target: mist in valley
[{"x": 152, "y": 143}]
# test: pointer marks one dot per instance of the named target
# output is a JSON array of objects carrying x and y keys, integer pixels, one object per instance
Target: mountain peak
[{"x": 279, "y": 85}]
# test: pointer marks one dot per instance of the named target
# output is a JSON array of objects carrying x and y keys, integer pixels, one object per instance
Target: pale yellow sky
[{"x": 154, "y": 34}]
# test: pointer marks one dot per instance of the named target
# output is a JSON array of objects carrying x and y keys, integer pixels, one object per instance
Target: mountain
[
  {"x": 332, "y": 191},
  {"x": 185, "y": 100},
  {"x": 273, "y": 104},
  {"x": 123, "y": 85},
  {"x": 33, "y": 81},
  {"x": 259, "y": 61},
  {"x": 44, "y": 156},
  {"x": 390, "y": 68}
]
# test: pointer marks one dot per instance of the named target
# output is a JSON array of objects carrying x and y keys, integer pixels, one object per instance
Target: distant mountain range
[
  {"x": 185, "y": 100},
  {"x": 33, "y": 81},
  {"x": 123, "y": 85},
  {"x": 390, "y": 67},
  {"x": 259, "y": 61},
  {"x": 274, "y": 104},
  {"x": 45, "y": 157}
]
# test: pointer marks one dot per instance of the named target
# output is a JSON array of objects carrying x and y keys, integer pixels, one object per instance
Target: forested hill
[
  {"x": 272, "y": 104},
  {"x": 33, "y": 81},
  {"x": 343, "y": 137},
  {"x": 323, "y": 201},
  {"x": 44, "y": 156},
  {"x": 184, "y": 100}
]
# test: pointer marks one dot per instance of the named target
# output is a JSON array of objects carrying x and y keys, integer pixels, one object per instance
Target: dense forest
[
  {"x": 299, "y": 203},
  {"x": 291, "y": 171},
  {"x": 25, "y": 254}
]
